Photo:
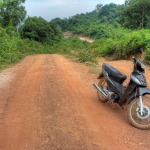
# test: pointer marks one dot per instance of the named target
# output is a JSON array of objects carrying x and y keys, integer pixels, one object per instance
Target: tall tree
[
  {"x": 12, "y": 12},
  {"x": 136, "y": 14}
]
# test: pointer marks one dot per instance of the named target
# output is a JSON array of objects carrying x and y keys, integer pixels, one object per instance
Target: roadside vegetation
[
  {"x": 34, "y": 36},
  {"x": 116, "y": 30},
  {"x": 13, "y": 47},
  {"x": 119, "y": 30}
]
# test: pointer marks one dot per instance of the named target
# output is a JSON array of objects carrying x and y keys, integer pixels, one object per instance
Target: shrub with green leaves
[
  {"x": 13, "y": 48},
  {"x": 38, "y": 29},
  {"x": 121, "y": 45}
]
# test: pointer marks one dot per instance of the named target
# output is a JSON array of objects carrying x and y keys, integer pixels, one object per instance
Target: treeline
[
  {"x": 92, "y": 24},
  {"x": 134, "y": 14},
  {"x": 119, "y": 30},
  {"x": 13, "y": 14},
  {"x": 21, "y": 36},
  {"x": 17, "y": 40}
]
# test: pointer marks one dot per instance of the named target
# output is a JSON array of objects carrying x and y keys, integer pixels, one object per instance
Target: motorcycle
[{"x": 134, "y": 95}]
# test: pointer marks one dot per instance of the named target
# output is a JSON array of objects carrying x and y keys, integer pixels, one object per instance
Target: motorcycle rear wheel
[
  {"x": 134, "y": 116},
  {"x": 101, "y": 83}
]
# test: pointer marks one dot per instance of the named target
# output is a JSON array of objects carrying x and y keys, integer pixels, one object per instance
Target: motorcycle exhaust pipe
[{"x": 99, "y": 89}]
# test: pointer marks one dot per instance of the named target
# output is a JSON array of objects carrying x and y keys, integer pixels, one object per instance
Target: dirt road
[
  {"x": 81, "y": 37},
  {"x": 48, "y": 102}
]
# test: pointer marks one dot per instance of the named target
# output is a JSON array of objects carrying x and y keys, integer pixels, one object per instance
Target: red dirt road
[{"x": 48, "y": 102}]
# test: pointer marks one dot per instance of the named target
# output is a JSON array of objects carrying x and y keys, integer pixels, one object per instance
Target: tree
[
  {"x": 1, "y": 3},
  {"x": 109, "y": 13},
  {"x": 12, "y": 12},
  {"x": 127, "y": 2},
  {"x": 136, "y": 14},
  {"x": 63, "y": 23},
  {"x": 98, "y": 7},
  {"x": 38, "y": 29}
]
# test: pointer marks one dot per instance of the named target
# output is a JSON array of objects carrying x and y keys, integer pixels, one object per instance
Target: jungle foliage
[
  {"x": 13, "y": 47},
  {"x": 123, "y": 45},
  {"x": 12, "y": 12},
  {"x": 119, "y": 30},
  {"x": 93, "y": 24},
  {"x": 136, "y": 14},
  {"x": 38, "y": 29},
  {"x": 33, "y": 36},
  {"x": 116, "y": 30}
]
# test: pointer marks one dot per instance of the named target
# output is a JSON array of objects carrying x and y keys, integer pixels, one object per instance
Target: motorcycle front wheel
[
  {"x": 134, "y": 114},
  {"x": 101, "y": 84}
]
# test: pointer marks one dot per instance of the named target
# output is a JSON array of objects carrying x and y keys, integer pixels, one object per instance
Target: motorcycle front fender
[{"x": 143, "y": 91}]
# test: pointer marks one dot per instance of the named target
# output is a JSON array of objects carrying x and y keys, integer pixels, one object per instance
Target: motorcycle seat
[{"x": 114, "y": 74}]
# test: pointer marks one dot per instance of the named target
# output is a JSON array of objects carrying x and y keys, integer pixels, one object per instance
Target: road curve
[{"x": 49, "y": 103}]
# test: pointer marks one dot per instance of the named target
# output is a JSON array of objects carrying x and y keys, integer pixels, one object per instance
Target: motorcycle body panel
[
  {"x": 143, "y": 91},
  {"x": 137, "y": 85}
]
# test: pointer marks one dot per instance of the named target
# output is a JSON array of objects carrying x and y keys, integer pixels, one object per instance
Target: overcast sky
[{"x": 50, "y": 9}]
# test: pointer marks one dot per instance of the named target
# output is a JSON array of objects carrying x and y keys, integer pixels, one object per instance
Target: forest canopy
[{"x": 134, "y": 14}]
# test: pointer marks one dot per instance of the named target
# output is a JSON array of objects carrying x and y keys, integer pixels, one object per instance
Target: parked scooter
[{"x": 110, "y": 88}]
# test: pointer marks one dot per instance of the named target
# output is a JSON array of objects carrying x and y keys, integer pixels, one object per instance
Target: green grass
[{"x": 5, "y": 66}]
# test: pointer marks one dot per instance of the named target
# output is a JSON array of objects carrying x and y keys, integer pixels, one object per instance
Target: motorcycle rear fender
[{"x": 100, "y": 76}]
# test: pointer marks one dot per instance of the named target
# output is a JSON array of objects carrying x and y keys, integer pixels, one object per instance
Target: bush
[
  {"x": 13, "y": 48},
  {"x": 40, "y": 30},
  {"x": 86, "y": 56},
  {"x": 121, "y": 45}
]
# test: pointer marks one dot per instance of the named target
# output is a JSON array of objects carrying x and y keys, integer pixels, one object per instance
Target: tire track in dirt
[
  {"x": 62, "y": 126},
  {"x": 20, "y": 118}
]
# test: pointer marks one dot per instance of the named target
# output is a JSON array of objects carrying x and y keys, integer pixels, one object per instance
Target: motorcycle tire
[
  {"x": 101, "y": 83},
  {"x": 134, "y": 116}
]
